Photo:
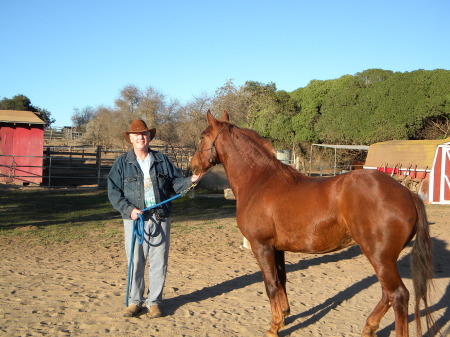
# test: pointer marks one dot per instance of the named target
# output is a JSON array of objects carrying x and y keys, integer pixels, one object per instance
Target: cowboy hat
[{"x": 138, "y": 126}]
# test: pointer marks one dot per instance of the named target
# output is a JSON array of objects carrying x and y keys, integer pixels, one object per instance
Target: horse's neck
[
  {"x": 243, "y": 173},
  {"x": 240, "y": 180}
]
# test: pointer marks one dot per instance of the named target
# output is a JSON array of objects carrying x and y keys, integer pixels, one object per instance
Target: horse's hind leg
[
  {"x": 270, "y": 262},
  {"x": 394, "y": 294}
]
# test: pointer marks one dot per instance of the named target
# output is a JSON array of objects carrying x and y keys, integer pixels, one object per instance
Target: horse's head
[{"x": 206, "y": 155}]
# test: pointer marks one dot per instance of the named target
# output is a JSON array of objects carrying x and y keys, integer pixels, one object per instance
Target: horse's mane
[{"x": 259, "y": 152}]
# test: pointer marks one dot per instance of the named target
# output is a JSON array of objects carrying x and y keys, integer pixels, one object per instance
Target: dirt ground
[{"x": 214, "y": 287}]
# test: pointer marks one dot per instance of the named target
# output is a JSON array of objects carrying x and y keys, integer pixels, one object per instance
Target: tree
[
  {"x": 129, "y": 99},
  {"x": 151, "y": 103},
  {"x": 23, "y": 103},
  {"x": 372, "y": 106},
  {"x": 18, "y": 102},
  {"x": 106, "y": 129},
  {"x": 235, "y": 100},
  {"x": 80, "y": 118},
  {"x": 192, "y": 120},
  {"x": 108, "y": 124},
  {"x": 370, "y": 76},
  {"x": 274, "y": 120},
  {"x": 310, "y": 100},
  {"x": 168, "y": 121},
  {"x": 261, "y": 97},
  {"x": 46, "y": 116}
]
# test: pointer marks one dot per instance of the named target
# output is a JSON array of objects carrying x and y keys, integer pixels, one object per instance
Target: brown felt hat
[{"x": 138, "y": 126}]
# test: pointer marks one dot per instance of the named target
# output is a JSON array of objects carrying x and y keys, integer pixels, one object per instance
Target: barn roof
[
  {"x": 404, "y": 152},
  {"x": 20, "y": 117}
]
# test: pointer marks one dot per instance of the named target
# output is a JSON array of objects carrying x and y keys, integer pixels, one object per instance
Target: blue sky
[{"x": 70, "y": 54}]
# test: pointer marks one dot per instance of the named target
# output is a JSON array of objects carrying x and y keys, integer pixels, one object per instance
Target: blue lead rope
[{"x": 138, "y": 234}]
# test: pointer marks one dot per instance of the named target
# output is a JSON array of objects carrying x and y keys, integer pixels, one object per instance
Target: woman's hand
[{"x": 135, "y": 213}]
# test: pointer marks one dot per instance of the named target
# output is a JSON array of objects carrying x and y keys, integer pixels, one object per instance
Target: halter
[{"x": 211, "y": 158}]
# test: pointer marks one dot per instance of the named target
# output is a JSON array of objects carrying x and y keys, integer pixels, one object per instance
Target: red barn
[{"x": 21, "y": 146}]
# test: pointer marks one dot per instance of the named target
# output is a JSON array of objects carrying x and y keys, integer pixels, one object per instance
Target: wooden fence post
[
  {"x": 99, "y": 164},
  {"x": 48, "y": 162}
]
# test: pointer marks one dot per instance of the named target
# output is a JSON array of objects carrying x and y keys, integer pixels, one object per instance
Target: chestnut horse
[{"x": 279, "y": 209}]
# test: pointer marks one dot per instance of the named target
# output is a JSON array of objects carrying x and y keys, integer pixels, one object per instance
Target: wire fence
[{"x": 75, "y": 166}]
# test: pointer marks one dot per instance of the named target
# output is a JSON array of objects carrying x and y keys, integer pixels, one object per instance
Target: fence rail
[
  {"x": 88, "y": 166},
  {"x": 74, "y": 166}
]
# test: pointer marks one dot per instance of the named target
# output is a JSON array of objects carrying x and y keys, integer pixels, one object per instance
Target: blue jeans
[{"x": 156, "y": 249}]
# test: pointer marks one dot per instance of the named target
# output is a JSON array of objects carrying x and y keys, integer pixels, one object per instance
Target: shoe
[
  {"x": 154, "y": 311},
  {"x": 131, "y": 311}
]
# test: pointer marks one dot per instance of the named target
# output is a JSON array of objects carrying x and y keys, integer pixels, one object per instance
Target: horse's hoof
[
  {"x": 271, "y": 334},
  {"x": 368, "y": 333}
]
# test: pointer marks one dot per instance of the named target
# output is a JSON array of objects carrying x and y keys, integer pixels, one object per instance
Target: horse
[{"x": 279, "y": 209}]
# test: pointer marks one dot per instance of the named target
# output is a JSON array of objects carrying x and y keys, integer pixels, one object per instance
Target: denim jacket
[{"x": 126, "y": 183}]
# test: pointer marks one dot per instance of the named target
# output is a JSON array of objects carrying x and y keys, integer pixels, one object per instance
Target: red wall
[
  {"x": 21, "y": 140},
  {"x": 437, "y": 176},
  {"x": 441, "y": 177}
]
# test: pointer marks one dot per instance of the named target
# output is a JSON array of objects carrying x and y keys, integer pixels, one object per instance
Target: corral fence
[
  {"x": 76, "y": 166},
  {"x": 337, "y": 167},
  {"x": 61, "y": 133},
  {"x": 88, "y": 166}
]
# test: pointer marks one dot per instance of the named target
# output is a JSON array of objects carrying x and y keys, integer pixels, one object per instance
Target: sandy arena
[{"x": 214, "y": 287}]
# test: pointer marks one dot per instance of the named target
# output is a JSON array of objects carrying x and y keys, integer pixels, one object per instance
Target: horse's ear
[
  {"x": 225, "y": 116},
  {"x": 211, "y": 120}
]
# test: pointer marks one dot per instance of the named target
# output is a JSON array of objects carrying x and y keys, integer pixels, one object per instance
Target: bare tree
[
  {"x": 107, "y": 127},
  {"x": 151, "y": 104},
  {"x": 435, "y": 127},
  {"x": 233, "y": 99},
  {"x": 100, "y": 130},
  {"x": 168, "y": 122},
  {"x": 129, "y": 99},
  {"x": 81, "y": 117},
  {"x": 175, "y": 123},
  {"x": 192, "y": 120}
]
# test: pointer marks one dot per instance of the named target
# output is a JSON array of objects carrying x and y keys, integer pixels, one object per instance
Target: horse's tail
[{"x": 422, "y": 265}]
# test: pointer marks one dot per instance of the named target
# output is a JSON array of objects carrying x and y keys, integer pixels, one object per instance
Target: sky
[{"x": 71, "y": 54}]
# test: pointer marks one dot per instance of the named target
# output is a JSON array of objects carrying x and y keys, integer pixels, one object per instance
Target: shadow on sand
[{"x": 317, "y": 312}]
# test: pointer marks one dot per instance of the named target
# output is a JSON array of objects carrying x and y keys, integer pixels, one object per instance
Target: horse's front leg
[
  {"x": 281, "y": 272},
  {"x": 274, "y": 276}
]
